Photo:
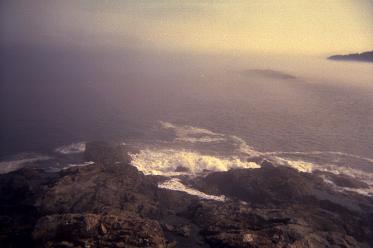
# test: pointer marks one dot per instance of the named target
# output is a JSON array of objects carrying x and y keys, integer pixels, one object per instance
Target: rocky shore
[{"x": 109, "y": 203}]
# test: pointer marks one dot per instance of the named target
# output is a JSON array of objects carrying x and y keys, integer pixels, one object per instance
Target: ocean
[{"x": 200, "y": 111}]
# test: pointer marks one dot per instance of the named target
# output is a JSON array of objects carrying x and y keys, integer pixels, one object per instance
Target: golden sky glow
[
  {"x": 291, "y": 26},
  {"x": 271, "y": 26}
]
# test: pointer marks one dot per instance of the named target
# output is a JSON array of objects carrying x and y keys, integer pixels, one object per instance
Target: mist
[
  {"x": 186, "y": 123},
  {"x": 56, "y": 87}
]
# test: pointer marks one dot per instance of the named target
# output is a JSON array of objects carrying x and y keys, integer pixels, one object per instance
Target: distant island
[{"x": 364, "y": 57}]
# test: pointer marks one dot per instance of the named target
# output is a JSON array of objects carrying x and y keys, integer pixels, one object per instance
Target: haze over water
[
  {"x": 85, "y": 96},
  {"x": 116, "y": 71},
  {"x": 186, "y": 123}
]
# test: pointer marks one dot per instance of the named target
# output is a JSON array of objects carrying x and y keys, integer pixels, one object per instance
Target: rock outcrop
[
  {"x": 105, "y": 153},
  {"x": 106, "y": 204},
  {"x": 112, "y": 204},
  {"x": 266, "y": 186},
  {"x": 92, "y": 230},
  {"x": 280, "y": 207}
]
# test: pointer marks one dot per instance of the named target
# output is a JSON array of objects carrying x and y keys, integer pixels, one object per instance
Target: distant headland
[{"x": 363, "y": 57}]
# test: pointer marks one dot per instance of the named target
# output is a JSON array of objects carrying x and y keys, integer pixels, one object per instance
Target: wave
[
  {"x": 337, "y": 168},
  {"x": 338, "y": 163},
  {"x": 192, "y": 134},
  {"x": 175, "y": 184},
  {"x": 355, "y": 173},
  {"x": 235, "y": 152},
  {"x": 242, "y": 146},
  {"x": 20, "y": 161},
  {"x": 370, "y": 160},
  {"x": 78, "y": 165},
  {"x": 299, "y": 165},
  {"x": 195, "y": 151},
  {"x": 312, "y": 167},
  {"x": 362, "y": 191},
  {"x": 172, "y": 162},
  {"x": 71, "y": 148}
]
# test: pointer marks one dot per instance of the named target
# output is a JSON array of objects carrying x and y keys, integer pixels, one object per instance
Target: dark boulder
[
  {"x": 100, "y": 189},
  {"x": 268, "y": 185},
  {"x": 105, "y": 153}
]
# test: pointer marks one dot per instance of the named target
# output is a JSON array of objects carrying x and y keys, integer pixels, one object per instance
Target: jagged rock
[
  {"x": 279, "y": 207},
  {"x": 105, "y": 153},
  {"x": 111, "y": 204},
  {"x": 100, "y": 188},
  {"x": 237, "y": 225},
  {"x": 172, "y": 244},
  {"x": 82, "y": 230},
  {"x": 103, "y": 229},
  {"x": 184, "y": 230},
  {"x": 168, "y": 227},
  {"x": 268, "y": 185}
]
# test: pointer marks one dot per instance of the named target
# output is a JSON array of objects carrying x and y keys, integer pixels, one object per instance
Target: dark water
[{"x": 55, "y": 96}]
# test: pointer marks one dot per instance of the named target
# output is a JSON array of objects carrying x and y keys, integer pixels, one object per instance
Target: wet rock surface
[{"x": 111, "y": 204}]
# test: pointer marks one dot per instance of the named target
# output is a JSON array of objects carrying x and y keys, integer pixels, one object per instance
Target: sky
[{"x": 256, "y": 26}]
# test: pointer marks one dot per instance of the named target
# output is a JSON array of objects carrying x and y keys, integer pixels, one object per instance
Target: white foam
[
  {"x": 357, "y": 174},
  {"x": 12, "y": 165},
  {"x": 299, "y": 165},
  {"x": 243, "y": 147},
  {"x": 366, "y": 192},
  {"x": 71, "y": 148},
  {"x": 200, "y": 139},
  {"x": 322, "y": 153},
  {"x": 166, "y": 161},
  {"x": 185, "y": 130},
  {"x": 78, "y": 165},
  {"x": 309, "y": 167},
  {"x": 362, "y": 191},
  {"x": 192, "y": 134},
  {"x": 175, "y": 184}
]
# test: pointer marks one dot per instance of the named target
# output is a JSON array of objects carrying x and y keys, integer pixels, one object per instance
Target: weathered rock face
[
  {"x": 18, "y": 213},
  {"x": 279, "y": 207},
  {"x": 269, "y": 185},
  {"x": 238, "y": 225},
  {"x": 111, "y": 204},
  {"x": 100, "y": 189},
  {"x": 91, "y": 230},
  {"x": 58, "y": 207}
]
